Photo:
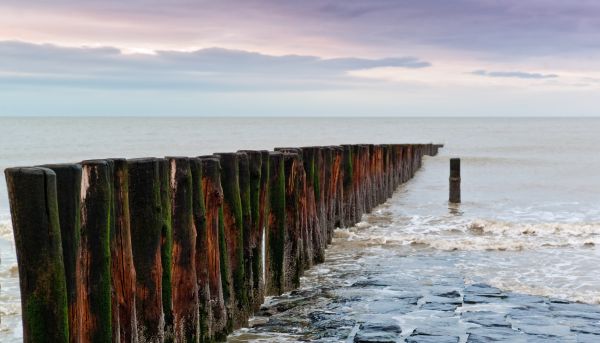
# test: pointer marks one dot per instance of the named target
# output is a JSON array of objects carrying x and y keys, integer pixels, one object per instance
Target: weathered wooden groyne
[{"x": 184, "y": 249}]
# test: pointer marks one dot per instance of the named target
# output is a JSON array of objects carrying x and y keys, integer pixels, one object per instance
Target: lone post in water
[{"x": 455, "y": 180}]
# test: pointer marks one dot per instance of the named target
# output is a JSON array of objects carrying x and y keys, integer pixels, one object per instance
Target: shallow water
[{"x": 529, "y": 221}]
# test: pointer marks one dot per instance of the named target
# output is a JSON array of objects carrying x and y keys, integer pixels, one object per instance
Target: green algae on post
[
  {"x": 184, "y": 282},
  {"x": 234, "y": 235},
  {"x": 213, "y": 201},
  {"x": 166, "y": 248},
  {"x": 245, "y": 196},
  {"x": 276, "y": 226},
  {"x": 123, "y": 270},
  {"x": 146, "y": 214},
  {"x": 68, "y": 190},
  {"x": 201, "y": 255},
  {"x": 94, "y": 293},
  {"x": 36, "y": 228}
]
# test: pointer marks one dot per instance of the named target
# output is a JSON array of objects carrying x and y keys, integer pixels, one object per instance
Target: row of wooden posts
[{"x": 171, "y": 249}]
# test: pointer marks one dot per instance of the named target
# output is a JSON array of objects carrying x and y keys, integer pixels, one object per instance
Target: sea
[{"x": 529, "y": 221}]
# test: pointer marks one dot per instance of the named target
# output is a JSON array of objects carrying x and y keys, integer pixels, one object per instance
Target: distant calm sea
[{"x": 530, "y": 220}]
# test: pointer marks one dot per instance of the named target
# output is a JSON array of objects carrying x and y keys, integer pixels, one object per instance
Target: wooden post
[
  {"x": 36, "y": 227},
  {"x": 68, "y": 190},
  {"x": 349, "y": 202},
  {"x": 94, "y": 293},
  {"x": 247, "y": 223},
  {"x": 276, "y": 228},
  {"x": 257, "y": 198},
  {"x": 166, "y": 248},
  {"x": 292, "y": 262},
  {"x": 213, "y": 201},
  {"x": 455, "y": 180},
  {"x": 184, "y": 281},
  {"x": 146, "y": 229},
  {"x": 328, "y": 190},
  {"x": 263, "y": 219},
  {"x": 202, "y": 236},
  {"x": 122, "y": 267},
  {"x": 338, "y": 184},
  {"x": 234, "y": 236}
]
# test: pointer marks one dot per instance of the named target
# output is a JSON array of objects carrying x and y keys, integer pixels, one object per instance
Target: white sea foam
[
  {"x": 6, "y": 231},
  {"x": 476, "y": 235}
]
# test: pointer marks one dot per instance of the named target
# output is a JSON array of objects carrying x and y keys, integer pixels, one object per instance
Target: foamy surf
[
  {"x": 6, "y": 231},
  {"x": 477, "y": 235}
]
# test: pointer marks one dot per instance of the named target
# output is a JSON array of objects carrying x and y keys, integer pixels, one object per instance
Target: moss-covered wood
[
  {"x": 338, "y": 185},
  {"x": 348, "y": 171},
  {"x": 114, "y": 306},
  {"x": 293, "y": 243},
  {"x": 184, "y": 281},
  {"x": 308, "y": 223},
  {"x": 246, "y": 195},
  {"x": 257, "y": 196},
  {"x": 213, "y": 201},
  {"x": 166, "y": 248},
  {"x": 36, "y": 228},
  {"x": 202, "y": 276},
  {"x": 146, "y": 220},
  {"x": 94, "y": 266},
  {"x": 122, "y": 266},
  {"x": 234, "y": 236},
  {"x": 258, "y": 254},
  {"x": 68, "y": 190},
  {"x": 329, "y": 193},
  {"x": 276, "y": 226}
]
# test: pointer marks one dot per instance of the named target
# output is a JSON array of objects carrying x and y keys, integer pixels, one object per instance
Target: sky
[{"x": 300, "y": 58}]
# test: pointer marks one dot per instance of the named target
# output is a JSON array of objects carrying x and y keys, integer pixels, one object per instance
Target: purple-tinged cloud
[
  {"x": 214, "y": 69},
  {"x": 508, "y": 29},
  {"x": 514, "y": 74}
]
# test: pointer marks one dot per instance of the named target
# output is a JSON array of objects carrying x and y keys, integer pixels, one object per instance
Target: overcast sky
[{"x": 300, "y": 58}]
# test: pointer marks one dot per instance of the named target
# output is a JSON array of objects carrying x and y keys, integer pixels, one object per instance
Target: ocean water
[{"x": 529, "y": 221}]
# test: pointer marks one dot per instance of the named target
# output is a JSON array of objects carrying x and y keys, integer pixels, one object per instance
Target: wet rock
[
  {"x": 481, "y": 299},
  {"x": 370, "y": 283},
  {"x": 378, "y": 332},
  {"x": 486, "y": 318},
  {"x": 450, "y": 294},
  {"x": 439, "y": 326},
  {"x": 587, "y": 338},
  {"x": 516, "y": 298},
  {"x": 586, "y": 327},
  {"x": 446, "y": 291},
  {"x": 439, "y": 307},
  {"x": 390, "y": 307},
  {"x": 420, "y": 338},
  {"x": 577, "y": 314},
  {"x": 482, "y": 289},
  {"x": 544, "y": 330},
  {"x": 495, "y": 334},
  {"x": 444, "y": 300},
  {"x": 550, "y": 339}
]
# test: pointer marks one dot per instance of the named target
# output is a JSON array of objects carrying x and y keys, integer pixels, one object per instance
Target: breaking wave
[{"x": 477, "y": 235}]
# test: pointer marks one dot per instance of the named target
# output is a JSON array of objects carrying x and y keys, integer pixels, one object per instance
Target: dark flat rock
[
  {"x": 370, "y": 283},
  {"x": 486, "y": 318},
  {"x": 390, "y": 307},
  {"x": 431, "y": 339},
  {"x": 482, "y": 299},
  {"x": 482, "y": 289},
  {"x": 439, "y": 307},
  {"x": 587, "y": 338},
  {"x": 495, "y": 334},
  {"x": 380, "y": 332}
]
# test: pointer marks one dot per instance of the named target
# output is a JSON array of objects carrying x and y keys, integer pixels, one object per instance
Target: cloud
[
  {"x": 508, "y": 29},
  {"x": 514, "y": 74},
  {"x": 26, "y": 64}
]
